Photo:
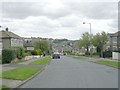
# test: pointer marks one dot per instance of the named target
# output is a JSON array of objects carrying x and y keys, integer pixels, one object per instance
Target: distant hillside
[
  {"x": 64, "y": 42},
  {"x": 60, "y": 40}
]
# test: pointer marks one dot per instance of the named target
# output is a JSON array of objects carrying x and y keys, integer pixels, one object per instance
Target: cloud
[
  {"x": 24, "y": 9},
  {"x": 94, "y": 10},
  {"x": 58, "y": 19}
]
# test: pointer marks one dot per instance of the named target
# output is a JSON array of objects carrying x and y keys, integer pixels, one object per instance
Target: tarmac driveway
[{"x": 72, "y": 73}]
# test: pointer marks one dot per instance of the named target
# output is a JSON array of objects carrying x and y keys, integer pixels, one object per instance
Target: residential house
[
  {"x": 113, "y": 43},
  {"x": 9, "y": 39},
  {"x": 29, "y": 42}
]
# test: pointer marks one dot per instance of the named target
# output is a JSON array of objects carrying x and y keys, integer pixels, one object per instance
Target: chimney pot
[{"x": 6, "y": 29}]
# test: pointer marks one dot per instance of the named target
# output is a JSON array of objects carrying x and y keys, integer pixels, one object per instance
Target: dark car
[{"x": 56, "y": 56}]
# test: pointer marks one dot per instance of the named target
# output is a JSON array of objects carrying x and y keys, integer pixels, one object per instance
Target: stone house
[
  {"x": 113, "y": 43},
  {"x": 9, "y": 39}
]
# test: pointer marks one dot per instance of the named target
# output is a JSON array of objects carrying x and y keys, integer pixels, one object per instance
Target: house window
[
  {"x": 0, "y": 45},
  {"x": 114, "y": 48},
  {"x": 114, "y": 39}
]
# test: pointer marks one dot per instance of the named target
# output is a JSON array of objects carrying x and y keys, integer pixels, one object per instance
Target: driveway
[{"x": 73, "y": 73}]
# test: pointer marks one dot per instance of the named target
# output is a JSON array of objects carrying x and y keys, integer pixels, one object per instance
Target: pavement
[
  {"x": 68, "y": 72},
  {"x": 14, "y": 83}
]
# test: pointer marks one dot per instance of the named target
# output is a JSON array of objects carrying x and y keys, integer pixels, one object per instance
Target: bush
[
  {"x": 27, "y": 54},
  {"x": 19, "y": 52},
  {"x": 38, "y": 52},
  {"x": 107, "y": 54},
  {"x": 87, "y": 53},
  {"x": 33, "y": 52},
  {"x": 0, "y": 59},
  {"x": 8, "y": 55},
  {"x": 95, "y": 53}
]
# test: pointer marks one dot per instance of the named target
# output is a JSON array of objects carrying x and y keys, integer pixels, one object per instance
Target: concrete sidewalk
[{"x": 14, "y": 83}]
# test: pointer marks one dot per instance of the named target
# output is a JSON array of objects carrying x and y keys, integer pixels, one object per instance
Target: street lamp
[
  {"x": 90, "y": 34},
  {"x": 90, "y": 27}
]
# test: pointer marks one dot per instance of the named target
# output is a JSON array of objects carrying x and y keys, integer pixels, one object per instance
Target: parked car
[{"x": 56, "y": 56}]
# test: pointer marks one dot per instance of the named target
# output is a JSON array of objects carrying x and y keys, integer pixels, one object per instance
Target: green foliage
[
  {"x": 99, "y": 40},
  {"x": 87, "y": 53},
  {"x": 107, "y": 54},
  {"x": 0, "y": 59},
  {"x": 67, "y": 51},
  {"x": 46, "y": 60},
  {"x": 27, "y": 54},
  {"x": 84, "y": 41},
  {"x": 19, "y": 73},
  {"x": 38, "y": 52},
  {"x": 42, "y": 45},
  {"x": 3, "y": 87},
  {"x": 109, "y": 63},
  {"x": 8, "y": 55},
  {"x": 19, "y": 52},
  {"x": 95, "y": 53},
  {"x": 33, "y": 52},
  {"x": 78, "y": 57}
]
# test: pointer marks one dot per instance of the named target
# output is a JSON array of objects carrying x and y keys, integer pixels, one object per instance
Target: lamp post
[
  {"x": 90, "y": 27},
  {"x": 90, "y": 35}
]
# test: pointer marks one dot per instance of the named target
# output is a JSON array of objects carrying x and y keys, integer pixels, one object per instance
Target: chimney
[{"x": 6, "y": 29}]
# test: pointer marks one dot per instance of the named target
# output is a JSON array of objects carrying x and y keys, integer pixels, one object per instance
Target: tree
[
  {"x": 85, "y": 41},
  {"x": 99, "y": 40},
  {"x": 42, "y": 45}
]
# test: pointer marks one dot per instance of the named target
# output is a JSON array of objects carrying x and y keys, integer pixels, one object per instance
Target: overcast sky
[{"x": 59, "y": 18}]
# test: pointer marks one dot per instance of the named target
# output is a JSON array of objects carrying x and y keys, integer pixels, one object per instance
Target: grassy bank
[
  {"x": 20, "y": 73},
  {"x": 114, "y": 64},
  {"x": 3, "y": 87},
  {"x": 46, "y": 60},
  {"x": 78, "y": 57}
]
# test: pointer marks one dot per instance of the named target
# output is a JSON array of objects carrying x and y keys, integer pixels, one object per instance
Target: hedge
[
  {"x": 8, "y": 55},
  {"x": 107, "y": 54},
  {"x": 36, "y": 52},
  {"x": 19, "y": 52}
]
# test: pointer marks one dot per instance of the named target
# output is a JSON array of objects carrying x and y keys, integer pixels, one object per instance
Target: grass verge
[
  {"x": 46, "y": 60},
  {"x": 20, "y": 73},
  {"x": 78, "y": 57},
  {"x": 0, "y": 73},
  {"x": 3, "y": 87},
  {"x": 114, "y": 64}
]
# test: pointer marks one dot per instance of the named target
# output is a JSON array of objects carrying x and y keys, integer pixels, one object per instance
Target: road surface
[{"x": 73, "y": 73}]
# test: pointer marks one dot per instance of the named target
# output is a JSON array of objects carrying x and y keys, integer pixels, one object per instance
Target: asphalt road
[{"x": 72, "y": 73}]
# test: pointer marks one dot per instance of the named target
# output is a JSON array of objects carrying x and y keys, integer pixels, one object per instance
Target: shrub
[
  {"x": 95, "y": 53},
  {"x": 27, "y": 54},
  {"x": 8, "y": 55},
  {"x": 19, "y": 52},
  {"x": 0, "y": 59},
  {"x": 33, "y": 52},
  {"x": 107, "y": 54},
  {"x": 38, "y": 52},
  {"x": 87, "y": 53}
]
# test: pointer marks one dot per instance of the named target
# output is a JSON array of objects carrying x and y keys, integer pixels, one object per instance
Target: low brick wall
[
  {"x": 31, "y": 57},
  {"x": 116, "y": 56}
]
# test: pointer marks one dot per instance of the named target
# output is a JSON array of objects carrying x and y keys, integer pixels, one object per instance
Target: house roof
[
  {"x": 114, "y": 34},
  {"x": 8, "y": 34},
  {"x": 28, "y": 44}
]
